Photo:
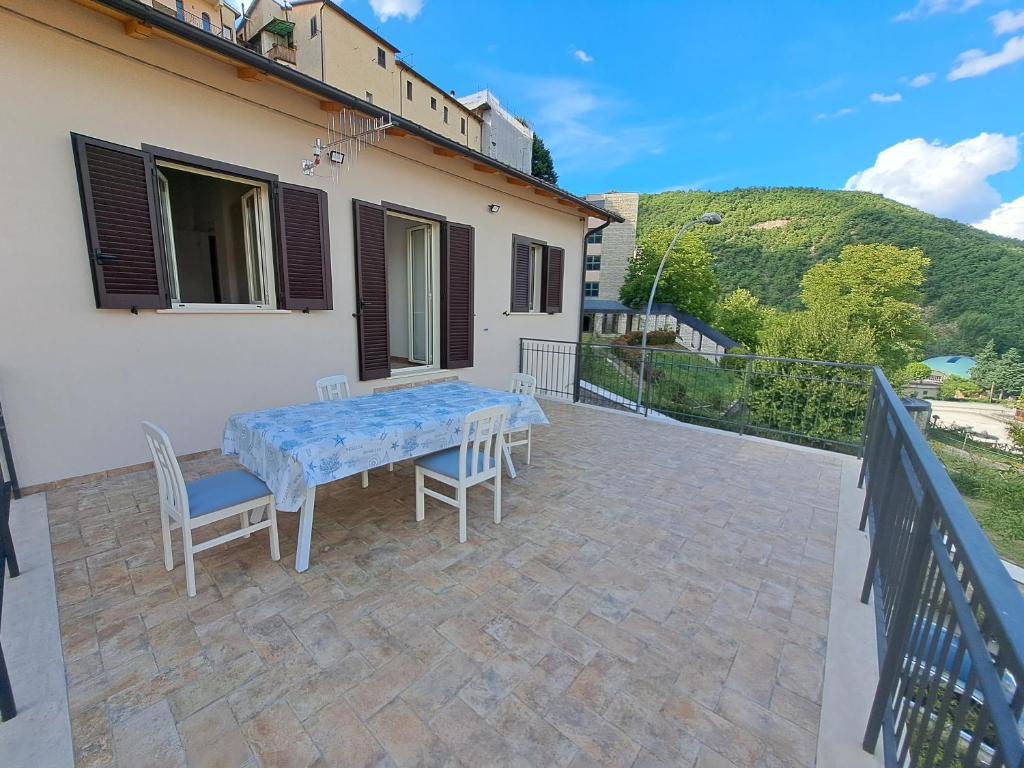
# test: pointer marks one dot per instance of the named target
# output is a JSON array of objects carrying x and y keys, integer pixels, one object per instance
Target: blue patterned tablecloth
[{"x": 299, "y": 446}]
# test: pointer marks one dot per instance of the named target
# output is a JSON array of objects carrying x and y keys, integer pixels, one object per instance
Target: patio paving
[{"x": 655, "y": 595}]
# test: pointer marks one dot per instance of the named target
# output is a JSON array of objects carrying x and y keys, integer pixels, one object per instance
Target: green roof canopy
[{"x": 281, "y": 27}]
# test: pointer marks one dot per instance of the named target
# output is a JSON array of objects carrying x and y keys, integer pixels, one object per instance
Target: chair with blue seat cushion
[
  {"x": 192, "y": 505},
  {"x": 475, "y": 461},
  {"x": 522, "y": 384},
  {"x": 336, "y": 388}
]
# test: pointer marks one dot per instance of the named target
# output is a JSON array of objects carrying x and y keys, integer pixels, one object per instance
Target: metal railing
[
  {"x": 807, "y": 402},
  {"x": 8, "y": 563},
  {"x": 281, "y": 52},
  {"x": 206, "y": 24},
  {"x": 950, "y": 621}
]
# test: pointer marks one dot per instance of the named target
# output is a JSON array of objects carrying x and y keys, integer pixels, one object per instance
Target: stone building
[{"x": 608, "y": 254}]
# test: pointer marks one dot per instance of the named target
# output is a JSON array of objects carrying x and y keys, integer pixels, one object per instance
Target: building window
[
  {"x": 179, "y": 9},
  {"x": 590, "y": 289},
  {"x": 462, "y": 126},
  {"x": 206, "y": 23},
  {"x": 593, "y": 262},
  {"x": 433, "y": 103},
  {"x": 595, "y": 237},
  {"x": 369, "y": 97},
  {"x": 313, "y": 26},
  {"x": 216, "y": 237},
  {"x": 408, "y": 90},
  {"x": 446, "y": 115},
  {"x": 536, "y": 277},
  {"x": 382, "y": 58}
]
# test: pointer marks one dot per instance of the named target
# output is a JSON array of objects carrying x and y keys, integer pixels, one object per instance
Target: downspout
[
  {"x": 323, "y": 60},
  {"x": 579, "y": 338}
]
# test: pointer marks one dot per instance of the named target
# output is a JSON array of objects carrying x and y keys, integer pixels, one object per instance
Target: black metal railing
[
  {"x": 204, "y": 23},
  {"x": 807, "y": 402},
  {"x": 7, "y": 471},
  {"x": 950, "y": 621},
  {"x": 8, "y": 563}
]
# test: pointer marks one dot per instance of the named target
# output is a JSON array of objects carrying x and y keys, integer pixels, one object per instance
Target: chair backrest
[
  {"x": 523, "y": 384},
  {"x": 333, "y": 388},
  {"x": 481, "y": 435},
  {"x": 173, "y": 496}
]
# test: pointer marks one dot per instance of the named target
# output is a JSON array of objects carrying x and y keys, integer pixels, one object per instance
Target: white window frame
[
  {"x": 536, "y": 279},
  {"x": 266, "y": 251},
  {"x": 435, "y": 298}
]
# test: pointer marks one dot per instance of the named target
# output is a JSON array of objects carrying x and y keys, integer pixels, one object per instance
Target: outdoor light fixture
[
  {"x": 337, "y": 157},
  {"x": 709, "y": 218},
  {"x": 494, "y": 207}
]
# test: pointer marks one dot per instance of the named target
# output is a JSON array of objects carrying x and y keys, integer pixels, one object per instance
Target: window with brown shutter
[
  {"x": 457, "y": 296},
  {"x": 371, "y": 290},
  {"x": 119, "y": 207},
  {"x": 304, "y": 253},
  {"x": 521, "y": 273},
  {"x": 554, "y": 271}
]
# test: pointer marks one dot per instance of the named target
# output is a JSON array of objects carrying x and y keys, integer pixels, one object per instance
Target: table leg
[
  {"x": 305, "y": 530},
  {"x": 507, "y": 453}
]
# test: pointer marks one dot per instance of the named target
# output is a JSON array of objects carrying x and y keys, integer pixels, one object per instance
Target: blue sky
[{"x": 649, "y": 96}]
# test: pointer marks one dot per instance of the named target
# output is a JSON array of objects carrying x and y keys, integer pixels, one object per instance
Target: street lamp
[{"x": 708, "y": 218}]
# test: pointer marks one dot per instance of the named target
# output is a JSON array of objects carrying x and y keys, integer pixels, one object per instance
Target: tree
[
  {"x": 1010, "y": 373},
  {"x": 985, "y": 372},
  {"x": 688, "y": 281},
  {"x": 543, "y": 167},
  {"x": 740, "y": 317},
  {"x": 877, "y": 287},
  {"x": 954, "y": 387},
  {"x": 917, "y": 371}
]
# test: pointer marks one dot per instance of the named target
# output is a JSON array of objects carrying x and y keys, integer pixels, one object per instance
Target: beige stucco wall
[
  {"x": 418, "y": 110},
  {"x": 76, "y": 381}
]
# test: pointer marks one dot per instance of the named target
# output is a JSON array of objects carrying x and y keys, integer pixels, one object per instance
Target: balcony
[
  {"x": 657, "y": 593},
  {"x": 202, "y": 22},
  {"x": 279, "y": 52}
]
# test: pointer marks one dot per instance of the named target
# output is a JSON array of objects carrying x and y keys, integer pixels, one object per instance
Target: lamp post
[{"x": 708, "y": 218}]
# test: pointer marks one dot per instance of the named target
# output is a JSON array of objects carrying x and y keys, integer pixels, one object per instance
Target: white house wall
[{"x": 76, "y": 381}]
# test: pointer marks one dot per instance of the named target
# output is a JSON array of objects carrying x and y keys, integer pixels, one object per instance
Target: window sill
[
  {"x": 531, "y": 314},
  {"x": 213, "y": 309},
  {"x": 411, "y": 373}
]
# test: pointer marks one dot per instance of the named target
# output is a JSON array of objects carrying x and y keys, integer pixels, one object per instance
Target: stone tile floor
[{"x": 654, "y": 596}]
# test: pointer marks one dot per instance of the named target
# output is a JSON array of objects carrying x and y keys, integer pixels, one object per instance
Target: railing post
[
  {"x": 578, "y": 347},
  {"x": 645, "y": 389},
  {"x": 744, "y": 407},
  {"x": 7, "y": 553},
  {"x": 7, "y": 460}
]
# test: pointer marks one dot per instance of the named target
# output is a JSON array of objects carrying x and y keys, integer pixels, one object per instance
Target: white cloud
[
  {"x": 392, "y": 9},
  {"x": 583, "y": 56},
  {"x": 921, "y": 80},
  {"x": 947, "y": 181},
  {"x": 975, "y": 62},
  {"x": 926, "y": 8},
  {"x": 838, "y": 113},
  {"x": 1007, "y": 22},
  {"x": 882, "y": 98},
  {"x": 1006, "y": 220}
]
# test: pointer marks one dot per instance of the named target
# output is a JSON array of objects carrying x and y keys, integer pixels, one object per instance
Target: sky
[{"x": 920, "y": 100}]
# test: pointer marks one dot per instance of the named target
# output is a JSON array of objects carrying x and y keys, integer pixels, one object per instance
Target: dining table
[{"x": 295, "y": 448}]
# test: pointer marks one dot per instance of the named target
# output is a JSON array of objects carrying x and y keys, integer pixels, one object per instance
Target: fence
[
  {"x": 950, "y": 621},
  {"x": 801, "y": 401},
  {"x": 8, "y": 558}
]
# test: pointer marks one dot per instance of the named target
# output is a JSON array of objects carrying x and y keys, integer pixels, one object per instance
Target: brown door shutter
[
  {"x": 457, "y": 297},
  {"x": 119, "y": 207},
  {"x": 371, "y": 291},
  {"x": 304, "y": 252},
  {"x": 520, "y": 274},
  {"x": 553, "y": 278}
]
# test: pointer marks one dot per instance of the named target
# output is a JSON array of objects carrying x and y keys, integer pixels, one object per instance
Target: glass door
[
  {"x": 252, "y": 227},
  {"x": 163, "y": 187},
  {"x": 420, "y": 295}
]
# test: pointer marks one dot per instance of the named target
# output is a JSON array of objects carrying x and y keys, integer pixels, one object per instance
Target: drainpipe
[
  {"x": 579, "y": 338},
  {"x": 323, "y": 60}
]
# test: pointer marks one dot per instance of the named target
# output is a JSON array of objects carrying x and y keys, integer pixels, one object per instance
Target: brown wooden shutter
[
  {"x": 457, "y": 297},
  {"x": 554, "y": 277},
  {"x": 119, "y": 207},
  {"x": 520, "y": 274},
  {"x": 304, "y": 252},
  {"x": 371, "y": 291}
]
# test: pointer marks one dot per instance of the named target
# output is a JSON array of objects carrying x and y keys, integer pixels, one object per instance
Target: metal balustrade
[{"x": 950, "y": 621}]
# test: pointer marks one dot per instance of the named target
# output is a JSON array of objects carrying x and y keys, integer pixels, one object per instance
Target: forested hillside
[{"x": 770, "y": 237}]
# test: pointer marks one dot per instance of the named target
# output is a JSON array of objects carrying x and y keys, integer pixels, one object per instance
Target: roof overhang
[{"x": 266, "y": 68}]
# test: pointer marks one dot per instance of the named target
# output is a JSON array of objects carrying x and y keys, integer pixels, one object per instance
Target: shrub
[
  {"x": 954, "y": 387},
  {"x": 731, "y": 363},
  {"x": 654, "y": 338}
]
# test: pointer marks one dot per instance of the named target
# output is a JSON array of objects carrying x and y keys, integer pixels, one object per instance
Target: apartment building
[
  {"x": 218, "y": 17},
  {"x": 322, "y": 40},
  {"x": 505, "y": 137},
  {"x": 607, "y": 256}
]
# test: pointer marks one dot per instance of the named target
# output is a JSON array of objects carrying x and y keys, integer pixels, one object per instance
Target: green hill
[{"x": 770, "y": 237}]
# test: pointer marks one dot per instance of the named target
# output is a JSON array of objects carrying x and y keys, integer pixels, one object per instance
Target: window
[
  {"x": 433, "y": 103},
  {"x": 590, "y": 289},
  {"x": 446, "y": 115},
  {"x": 369, "y": 97},
  {"x": 206, "y": 22},
  {"x": 595, "y": 237},
  {"x": 313, "y": 26},
  {"x": 462, "y": 127},
  {"x": 408, "y": 90},
  {"x": 413, "y": 288},
  {"x": 593, "y": 262},
  {"x": 382, "y": 58},
  {"x": 216, "y": 237},
  {"x": 537, "y": 276}
]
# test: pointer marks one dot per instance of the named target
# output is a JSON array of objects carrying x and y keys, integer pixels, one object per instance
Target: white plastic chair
[
  {"x": 522, "y": 384},
  {"x": 474, "y": 462},
  {"x": 336, "y": 388},
  {"x": 192, "y": 505}
]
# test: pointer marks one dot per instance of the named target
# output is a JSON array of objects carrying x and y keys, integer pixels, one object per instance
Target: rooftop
[{"x": 636, "y": 606}]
